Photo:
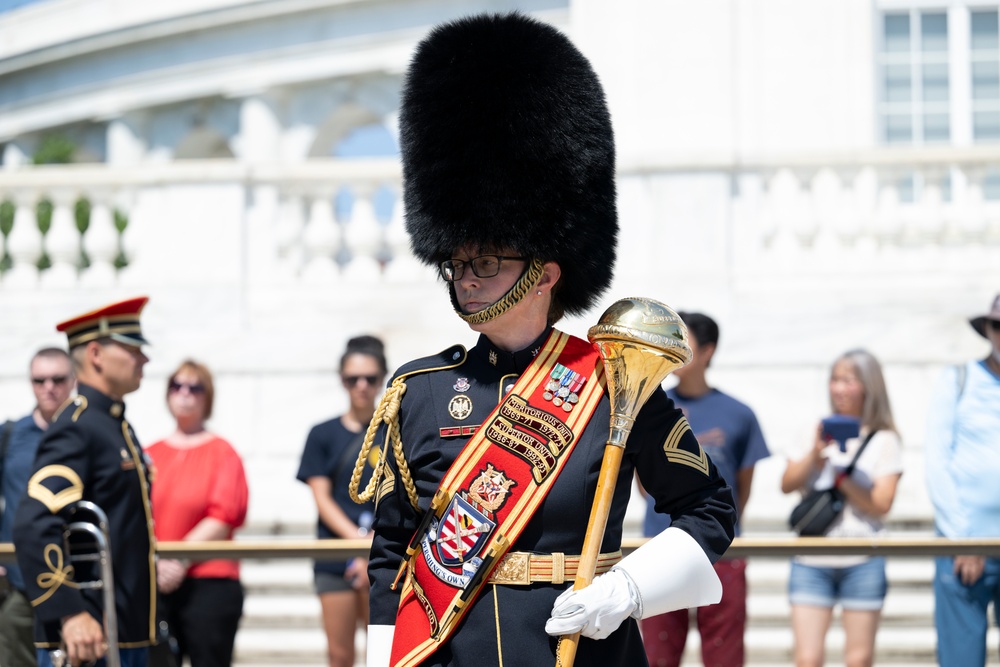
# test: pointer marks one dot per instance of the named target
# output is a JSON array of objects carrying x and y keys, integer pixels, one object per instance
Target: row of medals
[{"x": 560, "y": 393}]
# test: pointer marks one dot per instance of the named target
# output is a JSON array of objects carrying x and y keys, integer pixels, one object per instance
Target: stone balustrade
[
  {"x": 906, "y": 206},
  {"x": 321, "y": 221}
]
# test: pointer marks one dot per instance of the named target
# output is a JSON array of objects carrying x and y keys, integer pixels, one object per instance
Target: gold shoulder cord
[{"x": 387, "y": 413}]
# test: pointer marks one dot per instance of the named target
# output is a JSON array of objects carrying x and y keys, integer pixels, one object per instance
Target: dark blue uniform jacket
[
  {"x": 89, "y": 453},
  {"x": 692, "y": 492}
]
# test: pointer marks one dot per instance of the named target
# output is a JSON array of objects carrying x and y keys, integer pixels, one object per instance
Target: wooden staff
[{"x": 641, "y": 341}]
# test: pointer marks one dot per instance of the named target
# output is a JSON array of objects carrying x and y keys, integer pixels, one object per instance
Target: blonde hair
[{"x": 876, "y": 412}]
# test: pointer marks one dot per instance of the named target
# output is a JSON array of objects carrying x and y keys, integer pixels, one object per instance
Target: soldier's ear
[
  {"x": 94, "y": 353},
  {"x": 551, "y": 272}
]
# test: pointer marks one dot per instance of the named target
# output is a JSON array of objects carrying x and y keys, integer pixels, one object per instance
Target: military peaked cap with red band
[{"x": 118, "y": 321}]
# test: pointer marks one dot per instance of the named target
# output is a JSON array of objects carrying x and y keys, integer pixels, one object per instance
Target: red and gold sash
[{"x": 492, "y": 490}]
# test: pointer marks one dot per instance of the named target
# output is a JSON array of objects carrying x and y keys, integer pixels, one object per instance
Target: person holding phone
[{"x": 858, "y": 397}]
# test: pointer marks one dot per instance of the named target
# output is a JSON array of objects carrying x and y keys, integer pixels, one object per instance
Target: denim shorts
[{"x": 859, "y": 587}]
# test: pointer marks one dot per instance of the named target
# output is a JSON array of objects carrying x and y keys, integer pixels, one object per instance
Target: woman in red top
[{"x": 199, "y": 493}]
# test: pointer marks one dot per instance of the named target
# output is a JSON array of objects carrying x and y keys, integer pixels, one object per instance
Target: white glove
[
  {"x": 379, "y": 645},
  {"x": 670, "y": 572},
  {"x": 597, "y": 610}
]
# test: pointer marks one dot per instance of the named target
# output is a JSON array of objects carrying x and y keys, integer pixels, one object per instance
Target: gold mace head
[{"x": 641, "y": 342}]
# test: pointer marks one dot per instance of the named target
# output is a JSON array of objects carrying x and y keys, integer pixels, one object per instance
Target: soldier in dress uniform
[
  {"x": 91, "y": 453},
  {"x": 490, "y": 456}
]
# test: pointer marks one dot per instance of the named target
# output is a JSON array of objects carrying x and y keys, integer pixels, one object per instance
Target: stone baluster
[
  {"x": 131, "y": 238},
  {"x": 102, "y": 243},
  {"x": 863, "y": 204},
  {"x": 785, "y": 204},
  {"x": 24, "y": 243},
  {"x": 403, "y": 267},
  {"x": 321, "y": 238},
  {"x": 832, "y": 230},
  {"x": 804, "y": 219},
  {"x": 288, "y": 235},
  {"x": 929, "y": 222},
  {"x": 363, "y": 236},
  {"x": 62, "y": 242},
  {"x": 766, "y": 221},
  {"x": 888, "y": 218},
  {"x": 970, "y": 218},
  {"x": 850, "y": 218}
]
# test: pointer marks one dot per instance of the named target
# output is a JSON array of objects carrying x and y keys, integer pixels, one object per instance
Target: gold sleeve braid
[{"x": 387, "y": 413}]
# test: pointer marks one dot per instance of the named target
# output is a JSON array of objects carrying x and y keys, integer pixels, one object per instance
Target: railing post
[
  {"x": 24, "y": 243},
  {"x": 364, "y": 237},
  {"x": 321, "y": 238},
  {"x": 62, "y": 242},
  {"x": 102, "y": 243}
]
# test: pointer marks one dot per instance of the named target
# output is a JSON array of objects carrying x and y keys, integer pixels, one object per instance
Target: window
[
  {"x": 984, "y": 62},
  {"x": 915, "y": 78}
]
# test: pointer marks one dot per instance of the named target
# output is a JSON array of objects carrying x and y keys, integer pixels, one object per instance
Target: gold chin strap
[
  {"x": 388, "y": 413},
  {"x": 524, "y": 285}
]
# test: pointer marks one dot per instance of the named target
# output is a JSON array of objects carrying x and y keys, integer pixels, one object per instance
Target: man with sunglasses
[
  {"x": 91, "y": 453},
  {"x": 963, "y": 466},
  {"x": 52, "y": 382}
]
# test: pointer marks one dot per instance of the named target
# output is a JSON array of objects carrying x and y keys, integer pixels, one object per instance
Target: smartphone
[{"x": 841, "y": 428}]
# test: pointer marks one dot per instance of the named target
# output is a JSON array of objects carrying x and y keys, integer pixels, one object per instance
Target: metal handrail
[{"x": 742, "y": 547}]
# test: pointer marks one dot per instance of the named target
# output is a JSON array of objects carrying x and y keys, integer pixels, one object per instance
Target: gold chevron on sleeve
[
  {"x": 672, "y": 448},
  {"x": 387, "y": 483},
  {"x": 55, "y": 500}
]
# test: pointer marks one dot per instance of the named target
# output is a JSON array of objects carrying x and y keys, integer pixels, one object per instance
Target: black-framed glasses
[
  {"x": 54, "y": 379},
  {"x": 484, "y": 266},
  {"x": 352, "y": 380},
  {"x": 194, "y": 388}
]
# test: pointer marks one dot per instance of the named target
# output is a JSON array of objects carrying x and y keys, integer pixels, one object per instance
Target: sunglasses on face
[
  {"x": 54, "y": 379},
  {"x": 484, "y": 266},
  {"x": 993, "y": 324},
  {"x": 352, "y": 380},
  {"x": 192, "y": 387}
]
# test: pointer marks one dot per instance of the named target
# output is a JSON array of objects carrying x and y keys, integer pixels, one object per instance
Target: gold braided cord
[
  {"x": 525, "y": 284},
  {"x": 386, "y": 413}
]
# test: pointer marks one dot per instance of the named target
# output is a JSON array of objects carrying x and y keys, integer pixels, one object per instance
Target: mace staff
[{"x": 640, "y": 341}]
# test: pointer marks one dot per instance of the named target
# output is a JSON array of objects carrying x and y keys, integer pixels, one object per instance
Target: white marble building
[{"x": 817, "y": 174}]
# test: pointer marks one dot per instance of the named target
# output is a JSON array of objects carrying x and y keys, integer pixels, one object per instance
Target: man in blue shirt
[
  {"x": 728, "y": 431},
  {"x": 963, "y": 465},
  {"x": 52, "y": 381}
]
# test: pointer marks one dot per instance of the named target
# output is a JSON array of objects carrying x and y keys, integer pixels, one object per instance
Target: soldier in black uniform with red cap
[
  {"x": 90, "y": 453},
  {"x": 490, "y": 456}
]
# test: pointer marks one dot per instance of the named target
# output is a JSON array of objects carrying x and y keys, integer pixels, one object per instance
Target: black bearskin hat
[{"x": 507, "y": 143}]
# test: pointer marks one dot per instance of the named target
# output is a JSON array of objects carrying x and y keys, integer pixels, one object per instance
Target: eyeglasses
[
  {"x": 54, "y": 379},
  {"x": 352, "y": 380},
  {"x": 993, "y": 324},
  {"x": 194, "y": 388},
  {"x": 484, "y": 266}
]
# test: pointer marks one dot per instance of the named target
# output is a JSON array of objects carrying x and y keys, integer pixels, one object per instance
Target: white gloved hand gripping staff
[{"x": 669, "y": 572}]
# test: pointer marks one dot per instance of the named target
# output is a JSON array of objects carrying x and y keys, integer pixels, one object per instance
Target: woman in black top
[{"x": 327, "y": 462}]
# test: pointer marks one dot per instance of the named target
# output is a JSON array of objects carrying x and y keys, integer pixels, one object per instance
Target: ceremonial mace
[{"x": 641, "y": 341}]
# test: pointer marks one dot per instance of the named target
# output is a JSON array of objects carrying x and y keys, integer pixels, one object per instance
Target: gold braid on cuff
[{"x": 524, "y": 285}]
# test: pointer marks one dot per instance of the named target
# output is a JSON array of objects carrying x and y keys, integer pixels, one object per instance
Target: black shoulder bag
[{"x": 819, "y": 509}]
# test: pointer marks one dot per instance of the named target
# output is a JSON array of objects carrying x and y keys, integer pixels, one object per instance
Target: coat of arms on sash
[{"x": 453, "y": 543}]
